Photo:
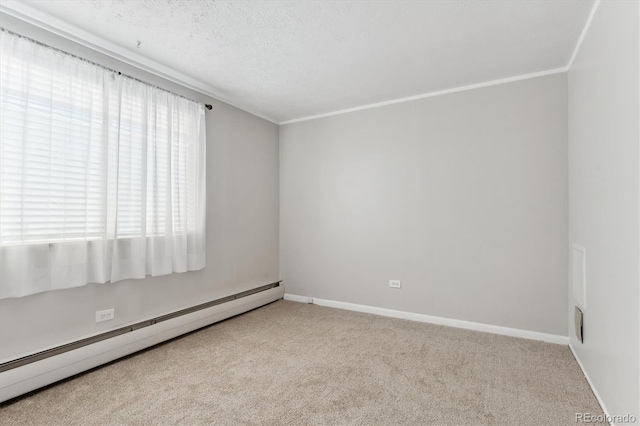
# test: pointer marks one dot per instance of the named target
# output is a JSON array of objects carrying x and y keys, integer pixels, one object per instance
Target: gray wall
[
  {"x": 463, "y": 197},
  {"x": 604, "y": 190},
  {"x": 242, "y": 231}
]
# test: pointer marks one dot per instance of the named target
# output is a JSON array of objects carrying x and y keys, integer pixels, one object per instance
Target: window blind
[{"x": 91, "y": 157}]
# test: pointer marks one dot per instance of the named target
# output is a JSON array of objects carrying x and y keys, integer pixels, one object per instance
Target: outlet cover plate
[
  {"x": 106, "y": 315},
  {"x": 395, "y": 284}
]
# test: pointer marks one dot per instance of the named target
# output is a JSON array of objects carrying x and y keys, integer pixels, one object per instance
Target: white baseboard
[
  {"x": 468, "y": 325},
  {"x": 593, "y": 388},
  {"x": 26, "y": 378},
  {"x": 300, "y": 299}
]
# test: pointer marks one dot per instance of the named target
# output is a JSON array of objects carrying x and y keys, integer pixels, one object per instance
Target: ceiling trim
[
  {"x": 49, "y": 23},
  {"x": 430, "y": 94},
  {"x": 33, "y": 16},
  {"x": 584, "y": 33}
]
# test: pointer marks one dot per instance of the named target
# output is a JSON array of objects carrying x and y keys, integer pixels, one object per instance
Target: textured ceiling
[{"x": 292, "y": 59}]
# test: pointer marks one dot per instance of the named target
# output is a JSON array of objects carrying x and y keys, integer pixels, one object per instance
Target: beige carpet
[{"x": 292, "y": 363}]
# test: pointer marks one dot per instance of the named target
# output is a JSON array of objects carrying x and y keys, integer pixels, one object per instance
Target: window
[{"x": 102, "y": 177}]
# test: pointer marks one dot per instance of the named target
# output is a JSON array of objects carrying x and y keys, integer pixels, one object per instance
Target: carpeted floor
[{"x": 292, "y": 363}]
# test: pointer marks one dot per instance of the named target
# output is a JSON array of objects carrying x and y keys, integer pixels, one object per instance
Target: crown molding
[
  {"x": 430, "y": 94},
  {"x": 33, "y": 16},
  {"x": 584, "y": 33},
  {"x": 54, "y": 25}
]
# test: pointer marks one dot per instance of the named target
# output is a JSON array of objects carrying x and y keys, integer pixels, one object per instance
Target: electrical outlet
[
  {"x": 106, "y": 315},
  {"x": 394, "y": 284}
]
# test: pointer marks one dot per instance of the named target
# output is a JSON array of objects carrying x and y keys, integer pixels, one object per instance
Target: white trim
[
  {"x": 29, "y": 14},
  {"x": 581, "y": 301},
  {"x": 583, "y": 34},
  {"x": 593, "y": 388},
  {"x": 299, "y": 299},
  {"x": 449, "y": 322},
  {"x": 33, "y": 16},
  {"x": 430, "y": 94}
]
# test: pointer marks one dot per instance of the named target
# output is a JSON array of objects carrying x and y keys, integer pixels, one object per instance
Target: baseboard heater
[{"x": 31, "y": 372}]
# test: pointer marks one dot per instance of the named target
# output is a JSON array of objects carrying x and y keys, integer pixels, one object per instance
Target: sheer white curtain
[{"x": 102, "y": 177}]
